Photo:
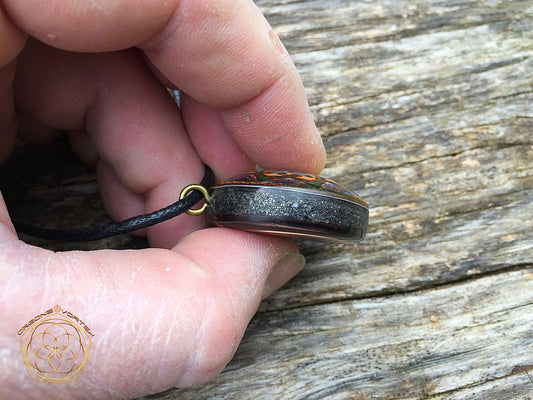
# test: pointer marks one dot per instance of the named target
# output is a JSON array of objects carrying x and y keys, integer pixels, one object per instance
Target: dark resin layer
[{"x": 287, "y": 211}]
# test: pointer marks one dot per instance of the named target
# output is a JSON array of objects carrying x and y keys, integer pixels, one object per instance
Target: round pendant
[{"x": 289, "y": 204}]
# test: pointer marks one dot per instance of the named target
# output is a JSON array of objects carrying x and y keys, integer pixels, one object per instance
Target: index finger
[
  {"x": 228, "y": 57},
  {"x": 223, "y": 54}
]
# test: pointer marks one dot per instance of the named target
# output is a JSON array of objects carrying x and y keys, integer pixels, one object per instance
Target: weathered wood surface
[{"x": 426, "y": 108}]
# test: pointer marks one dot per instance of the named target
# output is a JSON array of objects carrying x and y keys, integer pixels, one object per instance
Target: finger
[
  {"x": 160, "y": 318},
  {"x": 113, "y": 191},
  {"x": 11, "y": 42},
  {"x": 211, "y": 140},
  {"x": 133, "y": 125},
  {"x": 82, "y": 144},
  {"x": 229, "y": 58},
  {"x": 12, "y": 39},
  {"x": 32, "y": 131},
  {"x": 223, "y": 54},
  {"x": 89, "y": 26}
]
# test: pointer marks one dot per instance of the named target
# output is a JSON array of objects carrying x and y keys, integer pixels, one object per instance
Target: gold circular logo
[{"x": 55, "y": 346}]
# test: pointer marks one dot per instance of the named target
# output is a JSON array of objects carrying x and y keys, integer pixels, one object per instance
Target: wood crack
[
  {"x": 491, "y": 146},
  {"x": 422, "y": 288},
  {"x": 432, "y": 27},
  {"x": 518, "y": 370}
]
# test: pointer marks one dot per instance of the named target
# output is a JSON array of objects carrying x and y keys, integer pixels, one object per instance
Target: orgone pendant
[
  {"x": 273, "y": 202},
  {"x": 289, "y": 204}
]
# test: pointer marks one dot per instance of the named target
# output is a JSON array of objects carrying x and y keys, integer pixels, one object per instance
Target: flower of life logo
[{"x": 55, "y": 346}]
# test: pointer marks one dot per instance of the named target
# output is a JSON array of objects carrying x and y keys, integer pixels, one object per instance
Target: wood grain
[
  {"x": 398, "y": 346},
  {"x": 426, "y": 110}
]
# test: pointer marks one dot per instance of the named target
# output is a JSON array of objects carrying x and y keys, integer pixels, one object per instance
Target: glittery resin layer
[{"x": 288, "y": 211}]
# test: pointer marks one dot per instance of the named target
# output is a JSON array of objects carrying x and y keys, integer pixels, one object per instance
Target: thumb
[{"x": 160, "y": 318}]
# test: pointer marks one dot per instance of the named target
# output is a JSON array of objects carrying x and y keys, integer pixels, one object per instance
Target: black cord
[{"x": 118, "y": 228}]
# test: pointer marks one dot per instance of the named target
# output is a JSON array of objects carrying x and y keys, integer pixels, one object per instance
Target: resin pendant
[{"x": 289, "y": 204}]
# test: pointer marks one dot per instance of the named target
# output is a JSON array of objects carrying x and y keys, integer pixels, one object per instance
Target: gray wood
[
  {"x": 426, "y": 110},
  {"x": 407, "y": 345}
]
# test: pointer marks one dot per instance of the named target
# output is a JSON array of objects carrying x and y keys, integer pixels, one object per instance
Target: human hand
[{"x": 172, "y": 315}]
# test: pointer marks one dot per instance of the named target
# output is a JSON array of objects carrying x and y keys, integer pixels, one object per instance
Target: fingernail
[
  {"x": 276, "y": 42},
  {"x": 282, "y": 272}
]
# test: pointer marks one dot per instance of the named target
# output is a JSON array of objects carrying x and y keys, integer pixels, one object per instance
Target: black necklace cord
[{"x": 129, "y": 225}]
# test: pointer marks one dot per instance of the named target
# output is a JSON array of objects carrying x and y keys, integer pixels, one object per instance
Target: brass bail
[{"x": 201, "y": 189}]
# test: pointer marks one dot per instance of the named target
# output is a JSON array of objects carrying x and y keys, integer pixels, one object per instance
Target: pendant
[
  {"x": 290, "y": 204},
  {"x": 281, "y": 203}
]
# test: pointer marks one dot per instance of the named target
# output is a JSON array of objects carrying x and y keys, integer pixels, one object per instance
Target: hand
[{"x": 170, "y": 315}]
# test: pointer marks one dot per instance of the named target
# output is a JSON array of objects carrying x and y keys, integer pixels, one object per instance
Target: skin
[{"x": 171, "y": 315}]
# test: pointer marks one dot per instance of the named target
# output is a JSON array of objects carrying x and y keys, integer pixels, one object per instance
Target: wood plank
[
  {"x": 471, "y": 337},
  {"x": 428, "y": 137},
  {"x": 426, "y": 111},
  {"x": 446, "y": 225}
]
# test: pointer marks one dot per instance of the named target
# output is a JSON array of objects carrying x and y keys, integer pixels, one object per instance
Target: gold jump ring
[{"x": 201, "y": 189}]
